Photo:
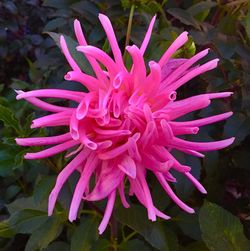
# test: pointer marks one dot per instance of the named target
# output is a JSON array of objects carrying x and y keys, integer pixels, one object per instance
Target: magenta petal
[
  {"x": 128, "y": 166},
  {"x": 108, "y": 212}
]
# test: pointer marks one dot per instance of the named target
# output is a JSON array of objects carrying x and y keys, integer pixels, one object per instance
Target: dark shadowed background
[{"x": 30, "y": 59}]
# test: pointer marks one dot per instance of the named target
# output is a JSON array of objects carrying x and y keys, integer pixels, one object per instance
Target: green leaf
[
  {"x": 5, "y": 230},
  {"x": 237, "y": 126},
  {"x": 27, "y": 220},
  {"x": 184, "y": 17},
  {"x": 58, "y": 4},
  {"x": 8, "y": 118},
  {"x": 201, "y": 10},
  {"x": 25, "y": 203},
  {"x": 189, "y": 224},
  {"x": 55, "y": 23},
  {"x": 58, "y": 246},
  {"x": 221, "y": 230},
  {"x": 84, "y": 235},
  {"x": 78, "y": 56},
  {"x": 136, "y": 218},
  {"x": 19, "y": 84},
  {"x": 101, "y": 245},
  {"x": 134, "y": 245},
  {"x": 44, "y": 235},
  {"x": 43, "y": 188},
  {"x": 195, "y": 246}
]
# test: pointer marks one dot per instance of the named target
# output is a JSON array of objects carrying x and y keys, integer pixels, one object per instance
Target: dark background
[{"x": 30, "y": 59}]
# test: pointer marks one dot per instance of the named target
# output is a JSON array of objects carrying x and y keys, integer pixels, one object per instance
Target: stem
[
  {"x": 114, "y": 237},
  {"x": 130, "y": 236},
  {"x": 131, "y": 14}
]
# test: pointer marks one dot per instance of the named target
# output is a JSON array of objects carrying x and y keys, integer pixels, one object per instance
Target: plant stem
[
  {"x": 114, "y": 237},
  {"x": 131, "y": 14}
]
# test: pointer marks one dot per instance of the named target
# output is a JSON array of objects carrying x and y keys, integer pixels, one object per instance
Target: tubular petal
[
  {"x": 68, "y": 56},
  {"x": 196, "y": 183},
  {"x": 56, "y": 119},
  {"x": 179, "y": 41},
  {"x": 193, "y": 73},
  {"x": 100, "y": 56},
  {"x": 108, "y": 212},
  {"x": 63, "y": 176},
  {"x": 88, "y": 81},
  {"x": 202, "y": 146},
  {"x": 52, "y": 93},
  {"x": 128, "y": 166},
  {"x": 95, "y": 66},
  {"x": 112, "y": 40},
  {"x": 181, "y": 69},
  {"x": 81, "y": 185},
  {"x": 43, "y": 105},
  {"x": 51, "y": 151},
  {"x": 204, "y": 121},
  {"x": 43, "y": 141},
  {"x": 148, "y": 35},
  {"x": 172, "y": 195}
]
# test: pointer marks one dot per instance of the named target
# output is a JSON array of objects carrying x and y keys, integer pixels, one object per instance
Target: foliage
[{"x": 31, "y": 60}]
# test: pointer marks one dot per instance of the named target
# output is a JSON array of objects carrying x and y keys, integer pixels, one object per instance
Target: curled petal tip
[
  {"x": 80, "y": 48},
  {"x": 191, "y": 211},
  {"x": 18, "y": 141},
  {"x": 100, "y": 230},
  {"x": 184, "y": 34},
  {"x": 62, "y": 40},
  {"x": 18, "y": 91},
  {"x": 216, "y": 61},
  {"x": 67, "y": 76},
  {"x": 28, "y": 156},
  {"x": 76, "y": 21},
  {"x": 100, "y": 15},
  {"x": 231, "y": 140},
  {"x": 203, "y": 190},
  {"x": 71, "y": 218}
]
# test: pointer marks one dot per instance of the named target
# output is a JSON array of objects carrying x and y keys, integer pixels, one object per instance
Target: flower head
[{"x": 125, "y": 126}]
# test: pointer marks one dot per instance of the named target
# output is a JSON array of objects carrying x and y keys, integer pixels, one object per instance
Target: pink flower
[{"x": 125, "y": 125}]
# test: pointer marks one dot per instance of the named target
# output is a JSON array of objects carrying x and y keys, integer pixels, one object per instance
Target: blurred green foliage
[{"x": 30, "y": 59}]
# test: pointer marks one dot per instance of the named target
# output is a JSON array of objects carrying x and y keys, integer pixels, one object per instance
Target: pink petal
[
  {"x": 179, "y": 41},
  {"x": 53, "y": 93},
  {"x": 88, "y": 81},
  {"x": 183, "y": 67},
  {"x": 63, "y": 176},
  {"x": 148, "y": 35},
  {"x": 45, "y": 106},
  {"x": 193, "y": 73},
  {"x": 57, "y": 119},
  {"x": 108, "y": 212},
  {"x": 172, "y": 195},
  {"x": 112, "y": 40},
  {"x": 41, "y": 141},
  {"x": 196, "y": 183},
  {"x": 100, "y": 56},
  {"x": 68, "y": 56},
  {"x": 122, "y": 195},
  {"x": 202, "y": 146},
  {"x": 88, "y": 170},
  {"x": 128, "y": 166},
  {"x": 52, "y": 150}
]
